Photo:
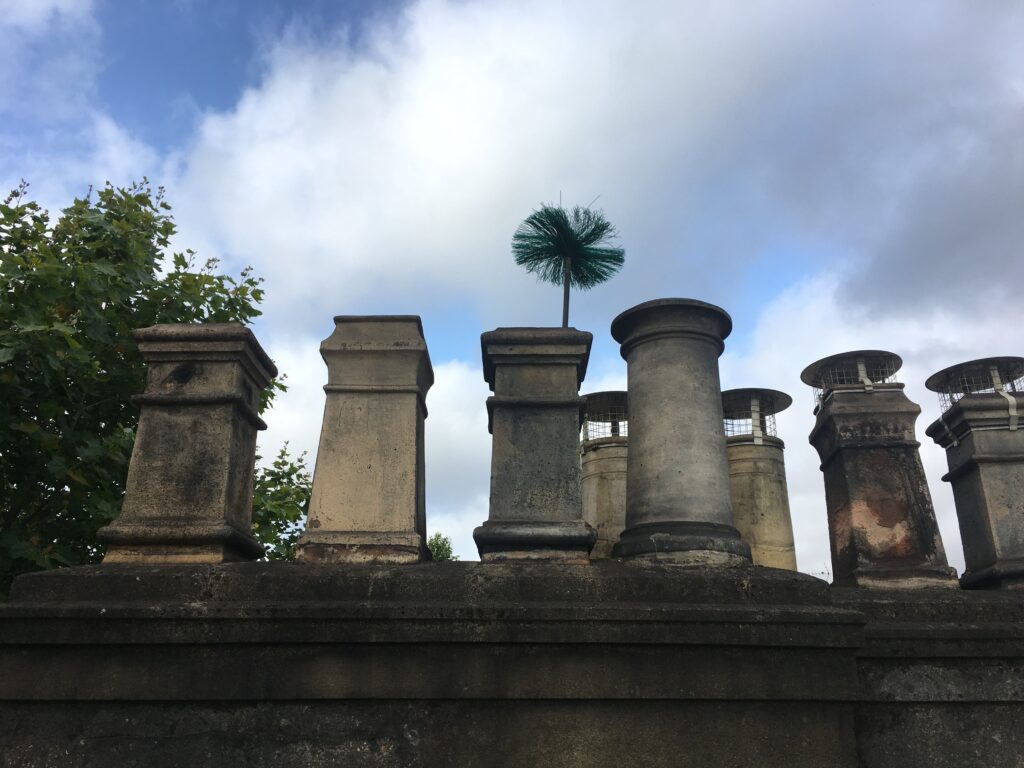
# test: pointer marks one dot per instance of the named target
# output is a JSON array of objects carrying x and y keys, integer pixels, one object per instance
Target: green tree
[
  {"x": 440, "y": 547},
  {"x": 281, "y": 492},
  {"x": 567, "y": 249},
  {"x": 72, "y": 292}
]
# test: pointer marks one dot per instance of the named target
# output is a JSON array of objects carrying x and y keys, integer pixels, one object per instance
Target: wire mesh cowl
[
  {"x": 985, "y": 376},
  {"x": 605, "y": 416}
]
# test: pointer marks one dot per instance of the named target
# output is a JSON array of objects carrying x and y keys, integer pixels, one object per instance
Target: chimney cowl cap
[
  {"x": 950, "y": 379},
  {"x": 599, "y": 402},
  {"x": 874, "y": 359},
  {"x": 738, "y": 400}
]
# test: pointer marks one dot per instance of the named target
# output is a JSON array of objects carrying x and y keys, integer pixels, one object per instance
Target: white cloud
[
  {"x": 34, "y": 15},
  {"x": 400, "y": 167},
  {"x": 296, "y": 415},
  {"x": 458, "y": 444},
  {"x": 611, "y": 379},
  {"x": 458, "y": 523},
  {"x": 53, "y": 133},
  {"x": 49, "y": 56},
  {"x": 98, "y": 149}
]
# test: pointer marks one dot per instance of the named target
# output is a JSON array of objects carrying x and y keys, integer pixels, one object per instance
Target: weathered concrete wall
[
  {"x": 941, "y": 678},
  {"x": 474, "y": 664},
  {"x": 606, "y": 664},
  {"x": 418, "y": 734}
]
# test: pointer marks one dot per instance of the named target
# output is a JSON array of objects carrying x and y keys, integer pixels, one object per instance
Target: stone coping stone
[
  {"x": 159, "y": 337},
  {"x": 616, "y": 601},
  {"x": 938, "y": 623},
  {"x": 536, "y": 346},
  {"x": 602, "y": 582},
  {"x": 933, "y": 605},
  {"x": 603, "y": 602}
]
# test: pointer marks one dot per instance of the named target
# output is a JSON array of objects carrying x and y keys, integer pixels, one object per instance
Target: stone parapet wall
[
  {"x": 433, "y": 664},
  {"x": 292, "y": 664},
  {"x": 941, "y": 677}
]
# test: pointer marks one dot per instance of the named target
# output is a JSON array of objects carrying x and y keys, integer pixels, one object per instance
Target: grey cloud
[
  {"x": 958, "y": 234},
  {"x": 883, "y": 134}
]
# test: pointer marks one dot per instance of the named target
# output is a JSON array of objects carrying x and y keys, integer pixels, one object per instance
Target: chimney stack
[
  {"x": 188, "y": 498},
  {"x": 677, "y": 492},
  {"x": 982, "y": 404},
  {"x": 367, "y": 502},
  {"x": 757, "y": 474},
  {"x": 536, "y": 510},
  {"x": 882, "y": 526},
  {"x": 603, "y": 447}
]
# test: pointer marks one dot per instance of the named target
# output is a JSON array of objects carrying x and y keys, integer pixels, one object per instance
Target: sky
[{"x": 836, "y": 176}]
